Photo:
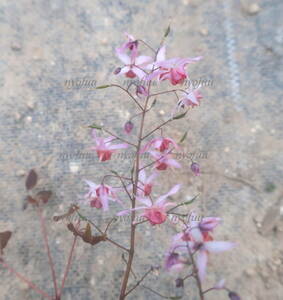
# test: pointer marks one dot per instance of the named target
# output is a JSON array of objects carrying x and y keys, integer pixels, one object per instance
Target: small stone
[
  {"x": 17, "y": 116},
  {"x": 250, "y": 272},
  {"x": 203, "y": 31},
  {"x": 16, "y": 46},
  {"x": 28, "y": 119},
  {"x": 74, "y": 166},
  {"x": 253, "y": 9},
  {"x": 30, "y": 104},
  {"x": 20, "y": 173}
]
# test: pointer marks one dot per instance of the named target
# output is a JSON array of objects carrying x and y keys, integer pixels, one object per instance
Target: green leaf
[
  {"x": 175, "y": 298},
  {"x": 167, "y": 31},
  {"x": 153, "y": 103},
  {"x": 180, "y": 116},
  {"x": 115, "y": 173},
  {"x": 103, "y": 86},
  {"x": 183, "y": 137},
  {"x": 190, "y": 201},
  {"x": 95, "y": 126},
  {"x": 88, "y": 234}
]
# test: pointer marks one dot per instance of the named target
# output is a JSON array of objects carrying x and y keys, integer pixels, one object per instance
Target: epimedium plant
[{"x": 192, "y": 247}]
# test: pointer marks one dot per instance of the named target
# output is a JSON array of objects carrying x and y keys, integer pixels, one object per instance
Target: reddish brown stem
[
  {"x": 45, "y": 238},
  {"x": 133, "y": 226},
  {"x": 24, "y": 279},
  {"x": 68, "y": 267}
]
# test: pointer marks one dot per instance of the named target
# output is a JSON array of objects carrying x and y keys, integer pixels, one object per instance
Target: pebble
[
  {"x": 74, "y": 167},
  {"x": 20, "y": 173},
  {"x": 16, "y": 46},
  {"x": 253, "y": 9},
  {"x": 28, "y": 119},
  {"x": 203, "y": 31},
  {"x": 250, "y": 272},
  {"x": 30, "y": 104}
]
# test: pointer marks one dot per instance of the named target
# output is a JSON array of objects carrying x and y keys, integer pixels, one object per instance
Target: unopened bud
[
  {"x": 195, "y": 168},
  {"x": 141, "y": 91},
  {"x": 179, "y": 282},
  {"x": 234, "y": 296},
  {"x": 128, "y": 127},
  {"x": 117, "y": 71}
]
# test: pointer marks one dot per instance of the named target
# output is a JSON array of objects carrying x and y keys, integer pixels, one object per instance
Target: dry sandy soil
[{"x": 238, "y": 126}]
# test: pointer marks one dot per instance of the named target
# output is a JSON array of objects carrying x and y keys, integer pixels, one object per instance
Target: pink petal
[
  {"x": 161, "y": 54},
  {"x": 123, "y": 57},
  {"x": 118, "y": 146},
  {"x": 141, "y": 60},
  {"x": 173, "y": 163},
  {"x": 145, "y": 201},
  {"x": 174, "y": 190},
  {"x": 201, "y": 263},
  {"x": 140, "y": 73},
  {"x": 218, "y": 246}
]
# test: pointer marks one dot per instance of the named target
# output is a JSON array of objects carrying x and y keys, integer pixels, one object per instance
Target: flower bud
[
  {"x": 195, "y": 168},
  {"x": 117, "y": 70},
  {"x": 179, "y": 282},
  {"x": 141, "y": 91},
  {"x": 234, "y": 296},
  {"x": 128, "y": 127}
]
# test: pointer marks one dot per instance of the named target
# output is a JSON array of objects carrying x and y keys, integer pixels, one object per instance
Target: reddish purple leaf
[
  {"x": 44, "y": 196},
  {"x": 4, "y": 238},
  {"x": 31, "y": 180}
]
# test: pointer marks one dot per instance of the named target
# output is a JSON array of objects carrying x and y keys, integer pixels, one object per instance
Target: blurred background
[{"x": 235, "y": 136}]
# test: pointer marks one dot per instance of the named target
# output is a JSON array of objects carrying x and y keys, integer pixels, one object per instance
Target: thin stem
[
  {"x": 208, "y": 290},
  {"x": 45, "y": 238},
  {"x": 146, "y": 44},
  {"x": 196, "y": 271},
  {"x": 155, "y": 292},
  {"x": 119, "y": 138},
  {"x": 68, "y": 266},
  {"x": 138, "y": 282},
  {"x": 133, "y": 226},
  {"x": 24, "y": 279},
  {"x": 126, "y": 91},
  {"x": 159, "y": 126},
  {"x": 166, "y": 92}
]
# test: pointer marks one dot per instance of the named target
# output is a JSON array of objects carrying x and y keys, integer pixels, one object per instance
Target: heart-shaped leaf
[
  {"x": 44, "y": 196},
  {"x": 31, "y": 180},
  {"x": 4, "y": 238}
]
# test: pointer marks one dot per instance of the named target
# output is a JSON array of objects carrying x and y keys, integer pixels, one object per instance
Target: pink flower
[
  {"x": 208, "y": 224},
  {"x": 128, "y": 127},
  {"x": 203, "y": 227},
  {"x": 104, "y": 148},
  {"x": 172, "y": 69},
  {"x": 141, "y": 91},
  {"x": 131, "y": 45},
  {"x": 99, "y": 195},
  {"x": 145, "y": 184},
  {"x": 134, "y": 64},
  {"x": 204, "y": 246},
  {"x": 195, "y": 168},
  {"x": 190, "y": 98},
  {"x": 161, "y": 144},
  {"x": 164, "y": 160},
  {"x": 173, "y": 262},
  {"x": 155, "y": 213}
]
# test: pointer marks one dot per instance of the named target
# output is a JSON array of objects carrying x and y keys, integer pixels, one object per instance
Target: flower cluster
[{"x": 193, "y": 246}]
